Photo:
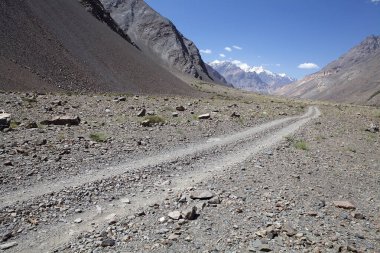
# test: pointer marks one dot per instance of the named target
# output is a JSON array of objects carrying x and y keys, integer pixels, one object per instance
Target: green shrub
[
  {"x": 154, "y": 119},
  {"x": 300, "y": 144},
  {"x": 98, "y": 137}
]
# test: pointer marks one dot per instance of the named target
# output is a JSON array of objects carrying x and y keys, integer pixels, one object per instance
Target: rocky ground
[{"x": 284, "y": 198}]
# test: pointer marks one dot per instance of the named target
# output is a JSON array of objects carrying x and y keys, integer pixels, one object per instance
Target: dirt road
[{"x": 185, "y": 167}]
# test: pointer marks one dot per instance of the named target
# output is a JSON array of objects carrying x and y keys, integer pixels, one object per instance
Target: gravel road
[{"x": 185, "y": 167}]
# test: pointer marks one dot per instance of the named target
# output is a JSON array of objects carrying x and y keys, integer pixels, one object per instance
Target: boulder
[
  {"x": 63, "y": 120},
  {"x": 175, "y": 215},
  {"x": 235, "y": 115},
  {"x": 146, "y": 123},
  {"x": 180, "y": 108},
  {"x": 373, "y": 128},
  {"x": 190, "y": 214},
  {"x": 5, "y": 120},
  {"x": 141, "y": 113},
  {"x": 202, "y": 195},
  {"x": 344, "y": 204},
  {"x": 204, "y": 116}
]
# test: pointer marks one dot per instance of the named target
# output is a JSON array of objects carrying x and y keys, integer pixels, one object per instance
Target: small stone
[
  {"x": 31, "y": 125},
  {"x": 180, "y": 108},
  {"x": 265, "y": 248},
  {"x": 162, "y": 231},
  {"x": 108, "y": 242},
  {"x": 173, "y": 237},
  {"x": 78, "y": 210},
  {"x": 201, "y": 205},
  {"x": 235, "y": 115},
  {"x": 8, "y": 245},
  {"x": 344, "y": 204},
  {"x": 79, "y": 220},
  {"x": 182, "y": 199},
  {"x": 8, "y": 163},
  {"x": 175, "y": 114},
  {"x": 57, "y": 102},
  {"x": 215, "y": 201},
  {"x": 358, "y": 215},
  {"x": 175, "y": 215},
  {"x": 120, "y": 99},
  {"x": 351, "y": 248},
  {"x": 162, "y": 219},
  {"x": 373, "y": 128},
  {"x": 182, "y": 222},
  {"x": 41, "y": 142},
  {"x": 190, "y": 214},
  {"x": 5, "y": 120},
  {"x": 141, "y": 113},
  {"x": 203, "y": 195},
  {"x": 204, "y": 116},
  {"x": 289, "y": 230},
  {"x": 146, "y": 123},
  {"x": 125, "y": 201}
]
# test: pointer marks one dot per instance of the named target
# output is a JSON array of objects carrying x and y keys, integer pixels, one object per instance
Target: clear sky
[{"x": 280, "y": 35}]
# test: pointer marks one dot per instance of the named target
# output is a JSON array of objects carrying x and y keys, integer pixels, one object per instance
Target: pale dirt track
[{"x": 218, "y": 155}]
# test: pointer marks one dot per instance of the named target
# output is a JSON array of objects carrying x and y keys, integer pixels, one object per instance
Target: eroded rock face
[{"x": 156, "y": 36}]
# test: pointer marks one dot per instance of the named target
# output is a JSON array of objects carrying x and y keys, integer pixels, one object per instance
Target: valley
[{"x": 117, "y": 135}]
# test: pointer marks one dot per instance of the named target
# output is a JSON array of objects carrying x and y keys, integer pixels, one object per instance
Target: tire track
[{"x": 52, "y": 237}]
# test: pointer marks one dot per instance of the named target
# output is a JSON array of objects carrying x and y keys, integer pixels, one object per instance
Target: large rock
[
  {"x": 62, "y": 120},
  {"x": 204, "y": 116},
  {"x": 203, "y": 195},
  {"x": 344, "y": 204},
  {"x": 8, "y": 245},
  {"x": 190, "y": 214},
  {"x": 175, "y": 215},
  {"x": 5, "y": 120}
]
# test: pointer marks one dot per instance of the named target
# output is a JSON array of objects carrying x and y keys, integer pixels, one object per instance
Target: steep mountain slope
[
  {"x": 250, "y": 78},
  {"x": 353, "y": 78},
  {"x": 54, "y": 45},
  {"x": 156, "y": 36},
  {"x": 217, "y": 77}
]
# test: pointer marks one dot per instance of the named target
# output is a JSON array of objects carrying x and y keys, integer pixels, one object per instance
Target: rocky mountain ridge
[
  {"x": 157, "y": 36},
  {"x": 353, "y": 78},
  {"x": 249, "y": 78}
]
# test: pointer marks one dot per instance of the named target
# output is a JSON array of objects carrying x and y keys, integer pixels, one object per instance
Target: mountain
[
  {"x": 216, "y": 76},
  {"x": 62, "y": 45},
  {"x": 353, "y": 78},
  {"x": 157, "y": 36},
  {"x": 250, "y": 78}
]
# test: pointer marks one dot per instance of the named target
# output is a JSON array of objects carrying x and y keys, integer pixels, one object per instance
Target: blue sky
[{"x": 277, "y": 34}]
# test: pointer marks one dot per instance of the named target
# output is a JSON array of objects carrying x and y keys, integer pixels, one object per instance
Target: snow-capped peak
[
  {"x": 254, "y": 76},
  {"x": 247, "y": 68}
]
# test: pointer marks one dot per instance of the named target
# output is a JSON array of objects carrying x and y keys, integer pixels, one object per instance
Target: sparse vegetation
[
  {"x": 301, "y": 144},
  {"x": 98, "y": 137},
  {"x": 298, "y": 144},
  {"x": 29, "y": 99},
  {"x": 14, "y": 124},
  {"x": 154, "y": 119}
]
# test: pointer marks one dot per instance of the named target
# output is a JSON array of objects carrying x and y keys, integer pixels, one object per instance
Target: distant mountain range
[
  {"x": 243, "y": 76},
  {"x": 353, "y": 78}
]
